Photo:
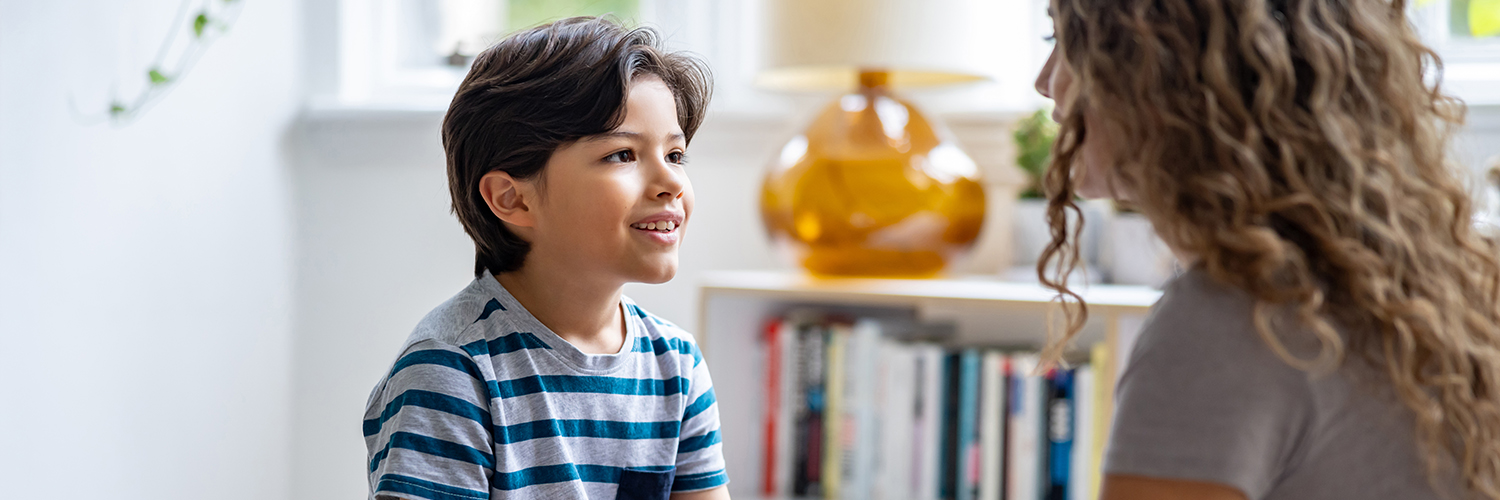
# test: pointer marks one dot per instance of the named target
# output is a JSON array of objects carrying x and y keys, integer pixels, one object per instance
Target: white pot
[
  {"x": 1134, "y": 255},
  {"x": 1032, "y": 234}
]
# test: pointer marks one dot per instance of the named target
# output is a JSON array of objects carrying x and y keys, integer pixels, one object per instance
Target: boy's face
[{"x": 601, "y": 194}]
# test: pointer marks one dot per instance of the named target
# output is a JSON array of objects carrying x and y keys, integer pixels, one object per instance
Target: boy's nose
[{"x": 670, "y": 182}]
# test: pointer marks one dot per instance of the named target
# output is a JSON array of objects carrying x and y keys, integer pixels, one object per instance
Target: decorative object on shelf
[
  {"x": 1033, "y": 136},
  {"x": 205, "y": 21},
  {"x": 1132, "y": 254},
  {"x": 873, "y": 187}
]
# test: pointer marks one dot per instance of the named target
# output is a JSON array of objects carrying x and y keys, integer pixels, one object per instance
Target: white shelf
[
  {"x": 736, "y": 306},
  {"x": 798, "y": 286}
]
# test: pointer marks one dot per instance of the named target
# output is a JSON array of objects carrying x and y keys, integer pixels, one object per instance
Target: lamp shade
[{"x": 824, "y": 44}]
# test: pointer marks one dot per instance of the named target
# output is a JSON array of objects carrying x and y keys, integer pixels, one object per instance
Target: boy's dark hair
[{"x": 543, "y": 88}]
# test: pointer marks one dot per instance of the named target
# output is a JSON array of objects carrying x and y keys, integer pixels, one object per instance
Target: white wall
[{"x": 145, "y": 271}]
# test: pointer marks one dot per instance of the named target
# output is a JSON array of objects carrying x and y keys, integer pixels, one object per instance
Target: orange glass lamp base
[{"x": 873, "y": 188}]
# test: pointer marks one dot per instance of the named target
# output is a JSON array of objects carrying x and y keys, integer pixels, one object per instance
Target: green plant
[{"x": 1034, "y": 136}]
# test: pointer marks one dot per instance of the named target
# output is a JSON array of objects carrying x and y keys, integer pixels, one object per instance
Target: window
[
  {"x": 1466, "y": 33},
  {"x": 412, "y": 54}
]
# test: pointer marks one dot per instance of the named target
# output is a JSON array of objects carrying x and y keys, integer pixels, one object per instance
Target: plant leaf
[
  {"x": 199, "y": 23},
  {"x": 157, "y": 78},
  {"x": 116, "y": 109}
]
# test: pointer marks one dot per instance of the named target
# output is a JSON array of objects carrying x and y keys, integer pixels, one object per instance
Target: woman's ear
[{"x": 508, "y": 198}]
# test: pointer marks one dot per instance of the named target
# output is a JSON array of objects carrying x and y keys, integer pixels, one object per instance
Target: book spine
[
  {"x": 810, "y": 413},
  {"x": 1101, "y": 358},
  {"x": 991, "y": 421},
  {"x": 833, "y": 413},
  {"x": 966, "y": 454},
  {"x": 949, "y": 449},
  {"x": 1023, "y": 450},
  {"x": 929, "y": 435},
  {"x": 1083, "y": 436},
  {"x": 899, "y": 407},
  {"x": 772, "y": 407},
  {"x": 786, "y": 418},
  {"x": 1059, "y": 433},
  {"x": 864, "y": 356}
]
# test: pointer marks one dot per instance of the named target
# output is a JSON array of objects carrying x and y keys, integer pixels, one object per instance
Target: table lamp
[{"x": 873, "y": 187}]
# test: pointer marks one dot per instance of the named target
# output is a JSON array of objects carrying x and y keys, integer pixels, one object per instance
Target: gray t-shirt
[
  {"x": 485, "y": 401},
  {"x": 1204, "y": 398}
]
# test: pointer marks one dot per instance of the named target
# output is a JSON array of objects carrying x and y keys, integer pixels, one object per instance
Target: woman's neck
[{"x": 585, "y": 313}]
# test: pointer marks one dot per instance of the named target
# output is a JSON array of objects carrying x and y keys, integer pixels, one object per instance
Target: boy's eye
[
  {"x": 677, "y": 157},
  {"x": 625, "y": 156}
]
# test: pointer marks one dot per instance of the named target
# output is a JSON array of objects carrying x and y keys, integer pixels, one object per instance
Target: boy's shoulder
[
  {"x": 664, "y": 335},
  {"x": 656, "y": 325},
  {"x": 454, "y": 322}
]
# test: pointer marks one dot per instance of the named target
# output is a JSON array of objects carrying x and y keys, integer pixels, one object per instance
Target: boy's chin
[{"x": 657, "y": 274}]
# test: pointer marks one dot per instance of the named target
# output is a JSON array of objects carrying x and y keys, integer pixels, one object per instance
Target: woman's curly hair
[{"x": 1298, "y": 149}]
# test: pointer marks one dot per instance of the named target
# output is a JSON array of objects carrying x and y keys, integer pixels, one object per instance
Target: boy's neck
[{"x": 584, "y": 313}]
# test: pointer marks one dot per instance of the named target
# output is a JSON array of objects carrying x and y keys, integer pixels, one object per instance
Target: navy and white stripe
[{"x": 484, "y": 401}]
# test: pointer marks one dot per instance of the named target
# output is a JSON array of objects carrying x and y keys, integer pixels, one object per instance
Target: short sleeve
[
  {"x": 700, "y": 452},
  {"x": 1205, "y": 399},
  {"x": 427, "y": 428}
]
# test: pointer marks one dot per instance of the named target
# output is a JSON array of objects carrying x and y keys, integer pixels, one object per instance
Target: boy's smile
[{"x": 661, "y": 227}]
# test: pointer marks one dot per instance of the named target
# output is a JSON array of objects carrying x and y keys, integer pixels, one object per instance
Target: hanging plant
[{"x": 205, "y": 20}]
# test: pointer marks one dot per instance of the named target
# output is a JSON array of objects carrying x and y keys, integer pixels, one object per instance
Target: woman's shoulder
[{"x": 1199, "y": 313}]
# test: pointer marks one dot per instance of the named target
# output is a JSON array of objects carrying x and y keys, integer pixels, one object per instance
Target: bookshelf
[{"x": 735, "y": 306}]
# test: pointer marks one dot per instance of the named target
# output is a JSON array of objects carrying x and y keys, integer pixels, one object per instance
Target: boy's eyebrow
[{"x": 628, "y": 135}]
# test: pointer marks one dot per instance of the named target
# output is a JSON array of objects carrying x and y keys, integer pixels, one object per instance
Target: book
[
  {"x": 929, "y": 427},
  {"x": 1023, "y": 476},
  {"x": 790, "y": 395},
  {"x": 948, "y": 450},
  {"x": 966, "y": 449},
  {"x": 897, "y": 380},
  {"x": 862, "y": 434},
  {"x": 833, "y": 413},
  {"x": 1059, "y": 433},
  {"x": 1083, "y": 436},
  {"x": 992, "y": 426},
  {"x": 1101, "y": 359},
  {"x": 773, "y": 406},
  {"x": 807, "y": 480}
]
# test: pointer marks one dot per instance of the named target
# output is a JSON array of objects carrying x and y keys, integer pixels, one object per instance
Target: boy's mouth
[
  {"x": 664, "y": 222},
  {"x": 665, "y": 226}
]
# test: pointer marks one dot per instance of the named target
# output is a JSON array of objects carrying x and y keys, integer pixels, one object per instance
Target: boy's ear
[{"x": 508, "y": 198}]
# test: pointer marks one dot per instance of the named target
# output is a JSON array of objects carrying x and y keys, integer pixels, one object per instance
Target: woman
[{"x": 1335, "y": 336}]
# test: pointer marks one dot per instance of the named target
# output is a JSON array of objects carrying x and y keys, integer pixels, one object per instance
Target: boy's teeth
[{"x": 656, "y": 226}]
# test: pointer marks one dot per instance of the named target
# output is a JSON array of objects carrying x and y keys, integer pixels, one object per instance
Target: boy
[{"x": 565, "y": 148}]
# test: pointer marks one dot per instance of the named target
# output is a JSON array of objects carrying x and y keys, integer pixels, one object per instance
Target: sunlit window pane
[
  {"x": 452, "y": 32},
  {"x": 1474, "y": 19},
  {"x": 527, "y": 13}
]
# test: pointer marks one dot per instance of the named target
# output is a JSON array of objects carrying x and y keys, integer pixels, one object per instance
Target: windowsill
[
  {"x": 407, "y": 108},
  {"x": 1484, "y": 113}
]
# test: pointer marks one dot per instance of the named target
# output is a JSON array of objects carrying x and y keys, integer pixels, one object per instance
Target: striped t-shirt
[{"x": 486, "y": 402}]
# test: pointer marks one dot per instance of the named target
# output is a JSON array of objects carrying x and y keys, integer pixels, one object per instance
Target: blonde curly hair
[{"x": 1298, "y": 150}]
